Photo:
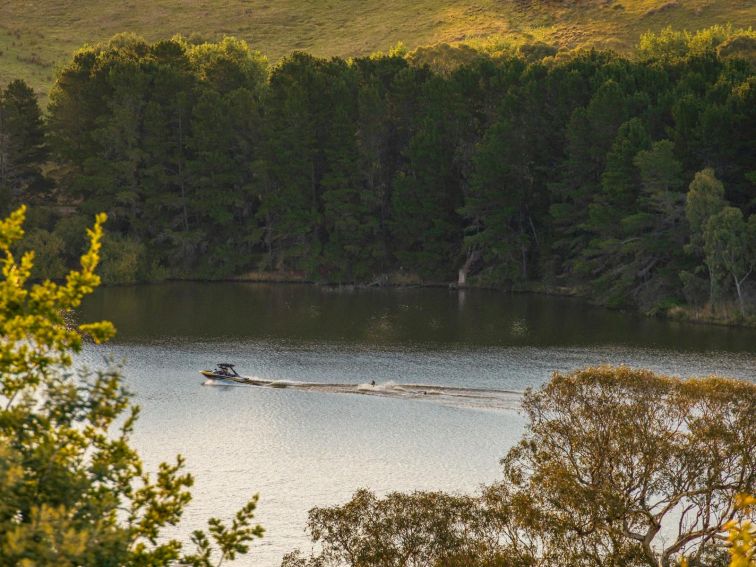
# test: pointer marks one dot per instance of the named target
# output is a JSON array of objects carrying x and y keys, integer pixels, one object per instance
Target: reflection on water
[
  {"x": 390, "y": 316},
  {"x": 305, "y": 446}
]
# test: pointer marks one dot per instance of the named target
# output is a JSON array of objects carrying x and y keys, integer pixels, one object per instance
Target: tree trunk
[
  {"x": 533, "y": 229},
  {"x": 462, "y": 277},
  {"x": 4, "y": 142},
  {"x": 472, "y": 257},
  {"x": 740, "y": 295},
  {"x": 711, "y": 287},
  {"x": 523, "y": 247},
  {"x": 181, "y": 173}
]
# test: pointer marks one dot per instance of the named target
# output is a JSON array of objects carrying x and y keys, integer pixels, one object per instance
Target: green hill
[{"x": 37, "y": 35}]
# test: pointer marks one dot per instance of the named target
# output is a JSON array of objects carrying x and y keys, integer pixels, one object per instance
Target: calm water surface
[{"x": 301, "y": 449}]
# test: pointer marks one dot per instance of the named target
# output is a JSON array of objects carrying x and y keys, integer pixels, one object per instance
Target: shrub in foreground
[
  {"x": 618, "y": 467},
  {"x": 72, "y": 489}
]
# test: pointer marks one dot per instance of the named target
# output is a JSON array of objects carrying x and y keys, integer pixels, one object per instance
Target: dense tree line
[{"x": 631, "y": 180}]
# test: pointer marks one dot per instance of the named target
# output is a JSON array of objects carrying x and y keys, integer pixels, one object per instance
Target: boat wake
[{"x": 475, "y": 398}]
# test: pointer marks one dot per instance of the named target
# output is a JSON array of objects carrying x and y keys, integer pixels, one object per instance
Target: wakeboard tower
[{"x": 223, "y": 371}]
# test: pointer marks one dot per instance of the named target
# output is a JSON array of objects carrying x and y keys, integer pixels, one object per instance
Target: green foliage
[
  {"x": 22, "y": 145},
  {"x": 590, "y": 133},
  {"x": 163, "y": 137},
  {"x": 421, "y": 528},
  {"x": 506, "y": 192},
  {"x": 292, "y": 209},
  {"x": 721, "y": 235},
  {"x": 425, "y": 227},
  {"x": 638, "y": 223},
  {"x": 705, "y": 199},
  {"x": 350, "y": 211},
  {"x": 72, "y": 489},
  {"x": 228, "y": 65},
  {"x": 670, "y": 44},
  {"x": 742, "y": 536},
  {"x": 730, "y": 247},
  {"x": 534, "y": 52},
  {"x": 443, "y": 58},
  {"x": 620, "y": 464},
  {"x": 231, "y": 540},
  {"x": 510, "y": 166},
  {"x": 122, "y": 260},
  {"x": 34, "y": 43},
  {"x": 48, "y": 254},
  {"x": 741, "y": 46}
]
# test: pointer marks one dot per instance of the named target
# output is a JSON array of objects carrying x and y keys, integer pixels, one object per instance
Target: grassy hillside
[{"x": 36, "y": 35}]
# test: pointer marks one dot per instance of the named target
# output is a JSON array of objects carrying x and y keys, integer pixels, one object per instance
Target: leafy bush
[
  {"x": 122, "y": 260},
  {"x": 72, "y": 489}
]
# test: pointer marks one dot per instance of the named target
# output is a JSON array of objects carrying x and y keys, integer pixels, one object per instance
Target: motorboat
[{"x": 223, "y": 371}]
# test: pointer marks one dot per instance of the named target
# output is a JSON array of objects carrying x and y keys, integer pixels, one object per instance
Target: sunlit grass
[{"x": 36, "y": 37}]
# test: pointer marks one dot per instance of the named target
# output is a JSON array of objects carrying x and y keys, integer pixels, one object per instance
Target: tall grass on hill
[{"x": 35, "y": 40}]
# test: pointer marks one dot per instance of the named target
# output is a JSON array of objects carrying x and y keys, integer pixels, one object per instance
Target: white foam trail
[
  {"x": 387, "y": 387},
  {"x": 477, "y": 398},
  {"x": 224, "y": 383}
]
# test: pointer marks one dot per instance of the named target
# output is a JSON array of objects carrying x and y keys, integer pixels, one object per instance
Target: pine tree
[
  {"x": 290, "y": 209},
  {"x": 502, "y": 196},
  {"x": 351, "y": 212},
  {"x": 425, "y": 226},
  {"x": 22, "y": 145},
  {"x": 590, "y": 134}
]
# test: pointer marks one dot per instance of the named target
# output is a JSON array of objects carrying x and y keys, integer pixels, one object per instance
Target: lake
[{"x": 468, "y": 353}]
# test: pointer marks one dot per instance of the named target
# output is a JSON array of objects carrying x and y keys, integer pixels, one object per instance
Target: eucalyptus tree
[
  {"x": 705, "y": 199},
  {"x": 730, "y": 246},
  {"x": 623, "y": 466},
  {"x": 617, "y": 468}
]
